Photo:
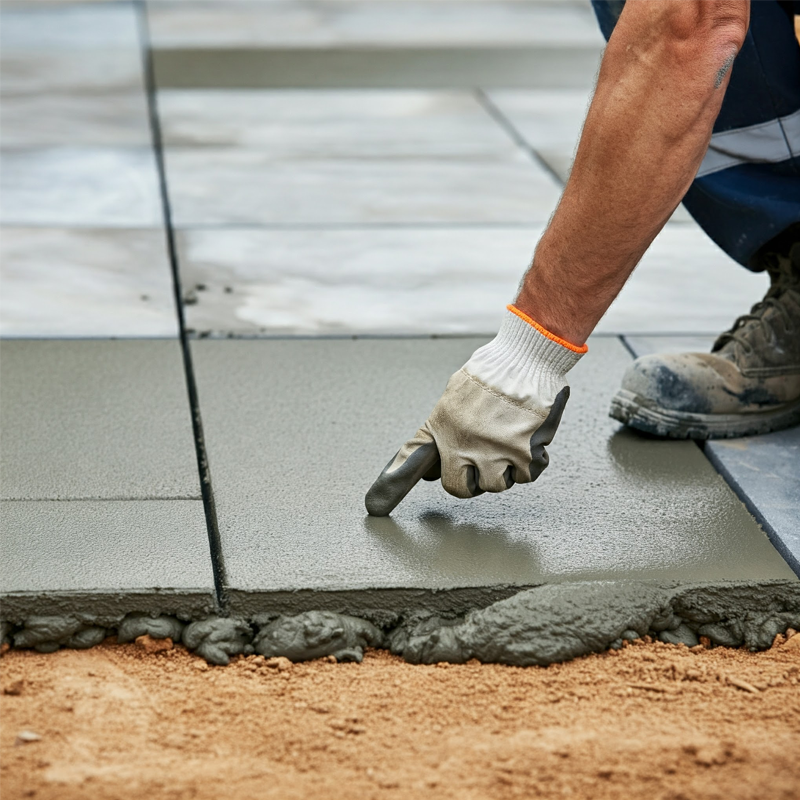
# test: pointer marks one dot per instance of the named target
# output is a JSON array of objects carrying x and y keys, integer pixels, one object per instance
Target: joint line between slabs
[
  {"x": 206, "y": 488},
  {"x": 508, "y": 126}
]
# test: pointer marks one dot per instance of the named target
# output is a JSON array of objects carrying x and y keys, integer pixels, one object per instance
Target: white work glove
[{"x": 490, "y": 427}]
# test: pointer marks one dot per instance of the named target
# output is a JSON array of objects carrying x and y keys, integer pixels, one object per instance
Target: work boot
[{"x": 749, "y": 384}]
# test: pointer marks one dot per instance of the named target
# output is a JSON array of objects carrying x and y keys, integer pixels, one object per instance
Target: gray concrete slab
[
  {"x": 684, "y": 285},
  {"x": 104, "y": 558},
  {"x": 85, "y": 283},
  {"x": 762, "y": 470},
  {"x": 334, "y": 123},
  {"x": 362, "y": 66},
  {"x": 72, "y": 186},
  {"x": 385, "y": 281},
  {"x": 765, "y": 472},
  {"x": 410, "y": 22},
  {"x": 292, "y": 457},
  {"x": 43, "y": 120},
  {"x": 95, "y": 420},
  {"x": 226, "y": 186}
]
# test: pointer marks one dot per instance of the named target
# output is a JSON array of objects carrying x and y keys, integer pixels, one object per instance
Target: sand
[{"x": 651, "y": 721}]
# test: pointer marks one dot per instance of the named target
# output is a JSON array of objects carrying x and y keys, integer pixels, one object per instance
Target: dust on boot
[{"x": 749, "y": 384}]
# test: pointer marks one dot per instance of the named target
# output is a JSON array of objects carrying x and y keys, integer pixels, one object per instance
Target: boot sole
[{"x": 635, "y": 411}]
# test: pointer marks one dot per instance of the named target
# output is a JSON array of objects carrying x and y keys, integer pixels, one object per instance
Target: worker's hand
[{"x": 490, "y": 427}]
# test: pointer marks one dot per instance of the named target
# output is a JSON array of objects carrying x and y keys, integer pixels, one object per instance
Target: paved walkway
[{"x": 306, "y": 173}]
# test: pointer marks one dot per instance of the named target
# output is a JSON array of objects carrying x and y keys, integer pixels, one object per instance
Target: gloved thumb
[{"x": 418, "y": 458}]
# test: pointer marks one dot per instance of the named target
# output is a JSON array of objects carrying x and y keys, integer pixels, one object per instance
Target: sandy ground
[{"x": 650, "y": 721}]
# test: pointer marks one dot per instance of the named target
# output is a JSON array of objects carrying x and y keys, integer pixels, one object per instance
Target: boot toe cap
[{"x": 678, "y": 383}]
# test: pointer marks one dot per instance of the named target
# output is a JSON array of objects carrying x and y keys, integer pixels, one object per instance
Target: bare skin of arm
[{"x": 660, "y": 88}]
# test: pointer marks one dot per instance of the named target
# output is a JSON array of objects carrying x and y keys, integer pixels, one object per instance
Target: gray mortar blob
[
  {"x": 315, "y": 634},
  {"x": 683, "y": 634},
  {"x": 155, "y": 626},
  {"x": 5, "y": 632},
  {"x": 540, "y": 626},
  {"x": 740, "y": 614},
  {"x": 47, "y": 634},
  {"x": 216, "y": 639}
]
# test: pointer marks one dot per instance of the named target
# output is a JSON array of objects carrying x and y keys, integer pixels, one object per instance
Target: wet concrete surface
[
  {"x": 95, "y": 420},
  {"x": 104, "y": 558},
  {"x": 290, "y": 472}
]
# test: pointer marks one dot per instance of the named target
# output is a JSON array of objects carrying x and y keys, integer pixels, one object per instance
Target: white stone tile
[
  {"x": 85, "y": 283},
  {"x": 244, "y": 187},
  {"x": 303, "y": 24},
  {"x": 684, "y": 284},
  {"x": 396, "y": 281},
  {"x": 69, "y": 27},
  {"x": 647, "y": 345},
  {"x": 41, "y": 120},
  {"x": 328, "y": 123},
  {"x": 72, "y": 70},
  {"x": 96, "y": 187}
]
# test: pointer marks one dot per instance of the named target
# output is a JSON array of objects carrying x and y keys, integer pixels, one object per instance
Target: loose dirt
[{"x": 649, "y": 721}]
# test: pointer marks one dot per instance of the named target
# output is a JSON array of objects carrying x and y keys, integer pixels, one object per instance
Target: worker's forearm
[{"x": 658, "y": 93}]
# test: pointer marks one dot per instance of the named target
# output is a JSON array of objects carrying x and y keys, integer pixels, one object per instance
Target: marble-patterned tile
[
  {"x": 44, "y": 120},
  {"x": 85, "y": 283},
  {"x": 94, "y": 187},
  {"x": 77, "y": 26},
  {"x": 95, "y": 70},
  {"x": 305, "y": 24},
  {"x": 246, "y": 187},
  {"x": 684, "y": 284},
  {"x": 329, "y": 282},
  {"x": 334, "y": 124}
]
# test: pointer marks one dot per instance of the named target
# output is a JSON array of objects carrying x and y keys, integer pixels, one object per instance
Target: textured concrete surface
[
  {"x": 77, "y": 282},
  {"x": 106, "y": 557},
  {"x": 95, "y": 420},
  {"x": 335, "y": 124},
  {"x": 226, "y": 186},
  {"x": 72, "y": 186},
  {"x": 290, "y": 471}
]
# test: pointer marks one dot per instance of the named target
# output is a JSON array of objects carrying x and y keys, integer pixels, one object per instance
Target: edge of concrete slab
[{"x": 537, "y": 626}]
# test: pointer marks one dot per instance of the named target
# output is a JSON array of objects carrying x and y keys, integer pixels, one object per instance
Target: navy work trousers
[{"x": 747, "y": 190}]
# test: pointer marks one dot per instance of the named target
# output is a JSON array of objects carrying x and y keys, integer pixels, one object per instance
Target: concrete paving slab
[
  {"x": 305, "y": 24},
  {"x": 211, "y": 186},
  {"x": 86, "y": 420},
  {"x": 95, "y": 70},
  {"x": 71, "y": 186},
  {"x": 362, "y": 66},
  {"x": 762, "y": 470},
  {"x": 68, "y": 27},
  {"x": 334, "y": 123},
  {"x": 104, "y": 558},
  {"x": 291, "y": 467},
  {"x": 43, "y": 120},
  {"x": 85, "y": 283},
  {"x": 385, "y": 281},
  {"x": 686, "y": 285},
  {"x": 765, "y": 472}
]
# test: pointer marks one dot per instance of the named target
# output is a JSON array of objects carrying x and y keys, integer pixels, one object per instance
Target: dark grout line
[
  {"x": 505, "y": 123},
  {"x": 624, "y": 340},
  {"x": 206, "y": 488}
]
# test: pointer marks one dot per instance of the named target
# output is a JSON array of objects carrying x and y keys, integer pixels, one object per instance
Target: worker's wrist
[{"x": 524, "y": 361}]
